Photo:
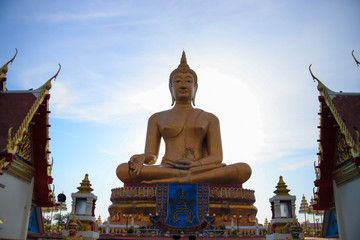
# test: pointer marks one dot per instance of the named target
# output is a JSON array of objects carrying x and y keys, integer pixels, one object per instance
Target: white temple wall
[
  {"x": 15, "y": 203},
  {"x": 347, "y": 199}
]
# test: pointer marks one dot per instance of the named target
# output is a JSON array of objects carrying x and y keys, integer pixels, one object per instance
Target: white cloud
[
  {"x": 296, "y": 163},
  {"x": 79, "y": 16}
]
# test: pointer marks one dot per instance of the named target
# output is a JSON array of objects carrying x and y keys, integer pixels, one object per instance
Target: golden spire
[
  {"x": 304, "y": 206},
  {"x": 281, "y": 189},
  {"x": 85, "y": 185},
  {"x": 266, "y": 223},
  {"x": 99, "y": 221}
]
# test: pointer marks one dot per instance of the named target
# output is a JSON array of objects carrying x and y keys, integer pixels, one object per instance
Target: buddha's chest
[{"x": 182, "y": 126}]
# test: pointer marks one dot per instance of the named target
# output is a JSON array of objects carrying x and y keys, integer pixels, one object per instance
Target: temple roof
[
  {"x": 338, "y": 144},
  {"x": 24, "y": 137},
  {"x": 345, "y": 106}
]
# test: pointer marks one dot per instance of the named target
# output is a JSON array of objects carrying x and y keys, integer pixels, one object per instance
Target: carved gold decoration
[
  {"x": 3, "y": 71},
  {"x": 22, "y": 170},
  {"x": 345, "y": 173},
  {"x": 317, "y": 171},
  {"x": 182, "y": 210},
  {"x": 320, "y": 155},
  {"x": 50, "y": 167},
  {"x": 25, "y": 149},
  {"x": 3, "y": 164},
  {"x": 342, "y": 151}
]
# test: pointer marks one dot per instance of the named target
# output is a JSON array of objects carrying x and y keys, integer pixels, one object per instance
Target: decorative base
[
  {"x": 283, "y": 236},
  {"x": 229, "y": 205},
  {"x": 86, "y": 235}
]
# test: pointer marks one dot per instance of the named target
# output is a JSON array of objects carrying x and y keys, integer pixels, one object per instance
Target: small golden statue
[
  {"x": 193, "y": 142},
  {"x": 73, "y": 229}
]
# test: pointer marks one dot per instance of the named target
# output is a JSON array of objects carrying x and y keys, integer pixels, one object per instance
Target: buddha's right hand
[{"x": 136, "y": 163}]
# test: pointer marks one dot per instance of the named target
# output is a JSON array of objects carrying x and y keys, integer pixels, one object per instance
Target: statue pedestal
[{"x": 137, "y": 206}]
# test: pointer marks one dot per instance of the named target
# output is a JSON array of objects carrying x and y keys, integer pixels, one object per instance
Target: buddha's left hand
[{"x": 184, "y": 164}]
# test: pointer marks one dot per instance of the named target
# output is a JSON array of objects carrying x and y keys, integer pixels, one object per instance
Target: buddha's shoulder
[
  {"x": 207, "y": 115},
  {"x": 160, "y": 114}
]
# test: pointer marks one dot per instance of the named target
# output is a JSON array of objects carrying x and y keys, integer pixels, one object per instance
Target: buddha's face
[{"x": 183, "y": 87}]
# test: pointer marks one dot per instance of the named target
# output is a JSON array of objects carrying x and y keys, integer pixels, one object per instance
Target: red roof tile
[
  {"x": 348, "y": 107},
  {"x": 13, "y": 109}
]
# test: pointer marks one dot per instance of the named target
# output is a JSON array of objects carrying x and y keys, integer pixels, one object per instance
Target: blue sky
[{"x": 251, "y": 58}]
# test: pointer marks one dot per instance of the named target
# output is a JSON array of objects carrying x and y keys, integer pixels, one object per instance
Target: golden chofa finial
[
  {"x": 320, "y": 86},
  {"x": 281, "y": 188},
  {"x": 357, "y": 62},
  {"x": 3, "y": 71},
  {"x": 48, "y": 82},
  {"x": 85, "y": 185}
]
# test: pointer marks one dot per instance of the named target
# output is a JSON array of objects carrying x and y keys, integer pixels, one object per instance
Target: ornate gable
[
  {"x": 338, "y": 143},
  {"x": 24, "y": 138}
]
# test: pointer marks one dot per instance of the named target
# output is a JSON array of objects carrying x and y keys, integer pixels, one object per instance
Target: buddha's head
[{"x": 182, "y": 75}]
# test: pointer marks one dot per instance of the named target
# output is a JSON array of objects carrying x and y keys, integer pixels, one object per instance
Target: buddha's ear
[
  {"x": 193, "y": 98},
  {"x": 172, "y": 94}
]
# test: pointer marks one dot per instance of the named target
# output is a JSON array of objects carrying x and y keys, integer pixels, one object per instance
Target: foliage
[
  {"x": 222, "y": 227},
  {"x": 60, "y": 220},
  {"x": 47, "y": 227},
  {"x": 47, "y": 220},
  {"x": 130, "y": 230}
]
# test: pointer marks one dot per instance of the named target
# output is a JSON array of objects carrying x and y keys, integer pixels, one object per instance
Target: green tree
[
  {"x": 60, "y": 220},
  {"x": 47, "y": 220}
]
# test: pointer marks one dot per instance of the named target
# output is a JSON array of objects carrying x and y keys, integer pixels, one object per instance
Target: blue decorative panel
[
  {"x": 33, "y": 223},
  {"x": 332, "y": 227},
  {"x": 182, "y": 209},
  {"x": 182, "y": 205}
]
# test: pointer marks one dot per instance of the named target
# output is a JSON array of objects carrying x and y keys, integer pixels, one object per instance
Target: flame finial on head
[
  {"x": 183, "y": 68},
  {"x": 183, "y": 62}
]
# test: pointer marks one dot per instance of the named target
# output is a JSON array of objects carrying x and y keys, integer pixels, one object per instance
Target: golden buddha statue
[{"x": 193, "y": 151}]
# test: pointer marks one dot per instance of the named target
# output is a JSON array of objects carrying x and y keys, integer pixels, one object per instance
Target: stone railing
[
  {"x": 256, "y": 230},
  {"x": 232, "y": 193},
  {"x": 133, "y": 193},
  {"x": 150, "y": 193}
]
